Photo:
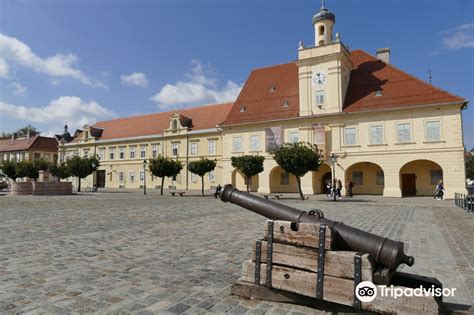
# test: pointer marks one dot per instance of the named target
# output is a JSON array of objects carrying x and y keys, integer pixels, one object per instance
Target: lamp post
[
  {"x": 144, "y": 177},
  {"x": 93, "y": 177},
  {"x": 333, "y": 159}
]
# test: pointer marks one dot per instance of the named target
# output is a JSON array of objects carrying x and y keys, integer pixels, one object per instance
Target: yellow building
[
  {"x": 392, "y": 134},
  {"x": 123, "y": 144}
]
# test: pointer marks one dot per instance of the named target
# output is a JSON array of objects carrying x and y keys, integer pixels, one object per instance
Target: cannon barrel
[{"x": 383, "y": 251}]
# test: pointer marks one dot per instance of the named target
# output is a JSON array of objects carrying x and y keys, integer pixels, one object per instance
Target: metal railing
[{"x": 464, "y": 201}]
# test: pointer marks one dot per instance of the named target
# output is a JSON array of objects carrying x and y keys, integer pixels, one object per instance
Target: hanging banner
[
  {"x": 272, "y": 138},
  {"x": 319, "y": 138}
]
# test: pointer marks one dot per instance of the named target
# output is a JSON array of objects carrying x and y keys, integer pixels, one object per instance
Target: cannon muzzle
[{"x": 383, "y": 251}]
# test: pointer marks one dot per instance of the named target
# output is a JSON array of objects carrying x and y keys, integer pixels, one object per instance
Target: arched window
[
  {"x": 175, "y": 124},
  {"x": 321, "y": 30}
]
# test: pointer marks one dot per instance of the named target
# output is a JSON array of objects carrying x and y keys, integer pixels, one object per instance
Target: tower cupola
[{"x": 323, "y": 23}]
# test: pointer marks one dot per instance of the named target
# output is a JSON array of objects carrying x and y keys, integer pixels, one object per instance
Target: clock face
[{"x": 318, "y": 78}]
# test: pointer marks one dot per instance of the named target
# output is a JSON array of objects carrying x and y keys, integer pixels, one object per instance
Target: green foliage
[
  {"x": 163, "y": 167},
  {"x": 81, "y": 167},
  {"x": 30, "y": 169},
  {"x": 60, "y": 170},
  {"x": 298, "y": 159},
  {"x": 22, "y": 132},
  {"x": 249, "y": 165},
  {"x": 200, "y": 168},
  {"x": 470, "y": 168},
  {"x": 9, "y": 168}
]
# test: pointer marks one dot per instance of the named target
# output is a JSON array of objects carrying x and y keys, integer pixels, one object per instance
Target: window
[
  {"x": 321, "y": 30},
  {"x": 131, "y": 177},
  {"x": 132, "y": 152},
  {"x": 376, "y": 134},
  {"x": 432, "y": 131},
  {"x": 154, "y": 151},
  {"x": 293, "y": 136},
  {"x": 143, "y": 152},
  {"x": 404, "y": 133},
  {"x": 350, "y": 136},
  {"x": 175, "y": 149},
  {"x": 211, "y": 147},
  {"x": 111, "y": 154},
  {"x": 101, "y": 154},
  {"x": 380, "y": 178},
  {"x": 121, "y": 177},
  {"x": 284, "y": 178},
  {"x": 142, "y": 176},
  {"x": 237, "y": 144},
  {"x": 194, "y": 148},
  {"x": 193, "y": 177},
  {"x": 357, "y": 178},
  {"x": 86, "y": 153},
  {"x": 211, "y": 176},
  {"x": 45, "y": 157},
  {"x": 319, "y": 97},
  {"x": 436, "y": 176},
  {"x": 37, "y": 156},
  {"x": 254, "y": 143},
  {"x": 175, "y": 124},
  {"x": 121, "y": 153}
]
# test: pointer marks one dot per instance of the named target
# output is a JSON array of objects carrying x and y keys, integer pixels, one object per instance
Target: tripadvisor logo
[{"x": 366, "y": 291}]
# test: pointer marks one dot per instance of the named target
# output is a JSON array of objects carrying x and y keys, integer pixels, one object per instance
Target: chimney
[
  {"x": 13, "y": 136},
  {"x": 384, "y": 54},
  {"x": 28, "y": 135}
]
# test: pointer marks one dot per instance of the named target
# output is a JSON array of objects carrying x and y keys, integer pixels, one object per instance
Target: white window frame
[
  {"x": 291, "y": 136},
  {"x": 101, "y": 154},
  {"x": 234, "y": 147},
  {"x": 319, "y": 97},
  {"x": 346, "y": 143},
  {"x": 154, "y": 151},
  {"x": 426, "y": 130},
  {"x": 174, "y": 147},
  {"x": 133, "y": 152},
  {"x": 410, "y": 134},
  {"x": 254, "y": 142},
  {"x": 143, "y": 152},
  {"x": 112, "y": 154},
  {"x": 121, "y": 177},
  {"x": 131, "y": 176},
  {"x": 121, "y": 153},
  {"x": 211, "y": 147},
  {"x": 211, "y": 176},
  {"x": 193, "y": 148},
  {"x": 371, "y": 135},
  {"x": 193, "y": 177}
]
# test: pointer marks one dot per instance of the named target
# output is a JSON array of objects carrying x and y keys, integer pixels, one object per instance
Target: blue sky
[{"x": 82, "y": 61}]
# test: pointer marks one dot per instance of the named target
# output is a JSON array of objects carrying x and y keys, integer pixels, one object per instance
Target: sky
[{"x": 82, "y": 61}]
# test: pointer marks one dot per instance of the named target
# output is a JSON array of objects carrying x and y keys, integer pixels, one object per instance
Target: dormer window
[
  {"x": 174, "y": 124},
  {"x": 378, "y": 93},
  {"x": 242, "y": 109},
  {"x": 272, "y": 89},
  {"x": 286, "y": 104}
]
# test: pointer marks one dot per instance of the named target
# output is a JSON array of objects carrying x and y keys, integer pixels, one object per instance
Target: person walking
[
  {"x": 338, "y": 189},
  {"x": 439, "y": 191},
  {"x": 350, "y": 185},
  {"x": 328, "y": 188},
  {"x": 218, "y": 191}
]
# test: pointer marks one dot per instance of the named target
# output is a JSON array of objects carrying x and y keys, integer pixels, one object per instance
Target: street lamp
[
  {"x": 333, "y": 159},
  {"x": 144, "y": 177},
  {"x": 94, "y": 189}
]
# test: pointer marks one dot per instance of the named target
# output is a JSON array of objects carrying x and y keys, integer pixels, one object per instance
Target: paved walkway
[{"x": 125, "y": 252}]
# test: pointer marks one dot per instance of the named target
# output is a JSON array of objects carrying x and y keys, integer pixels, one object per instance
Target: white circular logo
[{"x": 366, "y": 291}]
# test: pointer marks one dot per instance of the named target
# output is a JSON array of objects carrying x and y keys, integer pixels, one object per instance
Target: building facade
[
  {"x": 28, "y": 148},
  {"x": 392, "y": 134}
]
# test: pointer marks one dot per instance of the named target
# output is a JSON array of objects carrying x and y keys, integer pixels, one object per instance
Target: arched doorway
[
  {"x": 282, "y": 182},
  {"x": 368, "y": 178},
  {"x": 239, "y": 182},
  {"x": 419, "y": 178},
  {"x": 320, "y": 177}
]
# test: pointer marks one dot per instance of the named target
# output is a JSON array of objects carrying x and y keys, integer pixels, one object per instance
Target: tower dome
[
  {"x": 324, "y": 14},
  {"x": 323, "y": 23}
]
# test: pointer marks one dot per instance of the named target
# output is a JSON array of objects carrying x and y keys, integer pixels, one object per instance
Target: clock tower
[{"x": 324, "y": 69}]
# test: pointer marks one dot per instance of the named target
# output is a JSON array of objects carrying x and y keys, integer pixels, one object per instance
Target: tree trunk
[
  {"x": 162, "y": 184},
  {"x": 248, "y": 182},
  {"x": 298, "y": 180},
  {"x": 202, "y": 187},
  {"x": 79, "y": 184}
]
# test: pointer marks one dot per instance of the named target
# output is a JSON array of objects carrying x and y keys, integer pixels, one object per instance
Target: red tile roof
[
  {"x": 369, "y": 75},
  {"x": 260, "y": 102},
  {"x": 398, "y": 88},
  {"x": 23, "y": 144},
  {"x": 203, "y": 117}
]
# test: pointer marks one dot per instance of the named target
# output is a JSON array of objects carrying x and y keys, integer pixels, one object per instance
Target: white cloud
[
  {"x": 4, "y": 68},
  {"x": 65, "y": 108},
  {"x": 59, "y": 65},
  {"x": 199, "y": 87},
  {"x": 459, "y": 37},
  {"x": 18, "y": 89},
  {"x": 136, "y": 78}
]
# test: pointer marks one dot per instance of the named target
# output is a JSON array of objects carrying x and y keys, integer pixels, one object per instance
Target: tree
[
  {"x": 9, "y": 168},
  {"x": 22, "y": 132},
  {"x": 297, "y": 159},
  {"x": 81, "y": 167},
  {"x": 60, "y": 171},
  {"x": 31, "y": 169},
  {"x": 470, "y": 167},
  {"x": 200, "y": 168},
  {"x": 163, "y": 167},
  {"x": 249, "y": 165}
]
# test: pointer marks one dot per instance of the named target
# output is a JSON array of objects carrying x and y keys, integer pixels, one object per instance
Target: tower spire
[{"x": 323, "y": 7}]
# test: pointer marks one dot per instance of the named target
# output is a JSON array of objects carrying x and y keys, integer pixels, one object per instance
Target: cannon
[{"x": 384, "y": 252}]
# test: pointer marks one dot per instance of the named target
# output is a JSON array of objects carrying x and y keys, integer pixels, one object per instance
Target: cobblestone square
[{"x": 122, "y": 252}]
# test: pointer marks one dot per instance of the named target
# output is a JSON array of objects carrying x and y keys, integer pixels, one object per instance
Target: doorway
[
  {"x": 408, "y": 185},
  {"x": 101, "y": 179}
]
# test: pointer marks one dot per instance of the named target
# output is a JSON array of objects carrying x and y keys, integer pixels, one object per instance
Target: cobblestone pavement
[{"x": 125, "y": 252}]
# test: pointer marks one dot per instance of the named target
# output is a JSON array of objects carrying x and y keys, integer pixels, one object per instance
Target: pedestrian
[
  {"x": 439, "y": 191},
  {"x": 218, "y": 191},
  {"x": 328, "y": 187},
  {"x": 338, "y": 189},
  {"x": 350, "y": 185},
  {"x": 334, "y": 188}
]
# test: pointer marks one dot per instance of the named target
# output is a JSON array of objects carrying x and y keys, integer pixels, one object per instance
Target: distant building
[{"x": 29, "y": 147}]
